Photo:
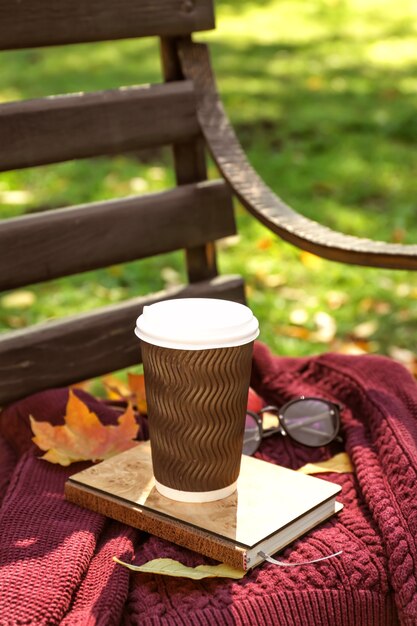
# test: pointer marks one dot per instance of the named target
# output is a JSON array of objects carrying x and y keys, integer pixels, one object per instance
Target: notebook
[{"x": 271, "y": 507}]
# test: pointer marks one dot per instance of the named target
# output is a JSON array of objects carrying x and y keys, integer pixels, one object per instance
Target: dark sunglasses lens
[
  {"x": 311, "y": 422},
  {"x": 252, "y": 436}
]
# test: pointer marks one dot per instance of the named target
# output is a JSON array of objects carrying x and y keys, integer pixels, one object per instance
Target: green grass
[{"x": 322, "y": 95}]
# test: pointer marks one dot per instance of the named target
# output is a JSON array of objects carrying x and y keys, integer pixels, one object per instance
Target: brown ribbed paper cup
[{"x": 197, "y": 360}]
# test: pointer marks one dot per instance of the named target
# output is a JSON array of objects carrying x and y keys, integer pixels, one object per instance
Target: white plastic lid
[{"x": 197, "y": 324}]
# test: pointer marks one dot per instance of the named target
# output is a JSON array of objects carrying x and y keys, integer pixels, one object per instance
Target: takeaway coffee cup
[{"x": 197, "y": 359}]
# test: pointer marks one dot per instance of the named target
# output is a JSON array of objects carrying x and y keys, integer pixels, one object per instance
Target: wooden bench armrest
[{"x": 258, "y": 198}]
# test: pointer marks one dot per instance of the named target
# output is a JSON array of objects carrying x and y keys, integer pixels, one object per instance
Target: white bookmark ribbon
[{"x": 269, "y": 558}]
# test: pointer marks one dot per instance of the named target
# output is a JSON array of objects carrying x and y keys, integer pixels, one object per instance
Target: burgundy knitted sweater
[{"x": 55, "y": 558}]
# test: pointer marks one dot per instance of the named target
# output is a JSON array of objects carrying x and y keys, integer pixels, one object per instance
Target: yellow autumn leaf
[
  {"x": 297, "y": 332},
  {"x": 310, "y": 260},
  {"x": 339, "y": 463},
  {"x": 83, "y": 437},
  {"x": 22, "y": 299},
  {"x": 353, "y": 347},
  {"x": 84, "y": 385},
  {"x": 169, "y": 567},
  {"x": 115, "y": 388}
]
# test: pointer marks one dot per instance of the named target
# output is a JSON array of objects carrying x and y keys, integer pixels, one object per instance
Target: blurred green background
[{"x": 322, "y": 95}]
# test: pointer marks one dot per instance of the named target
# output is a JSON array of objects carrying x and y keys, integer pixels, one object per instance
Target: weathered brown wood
[
  {"x": 31, "y": 23},
  {"x": 259, "y": 199},
  {"x": 46, "y": 130},
  {"x": 40, "y": 247},
  {"x": 190, "y": 166},
  {"x": 63, "y": 352}
]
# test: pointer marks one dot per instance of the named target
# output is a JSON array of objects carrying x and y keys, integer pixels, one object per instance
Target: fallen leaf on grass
[
  {"x": 369, "y": 305},
  {"x": 356, "y": 347},
  {"x": 336, "y": 299},
  {"x": 339, "y": 463},
  {"x": 326, "y": 327},
  {"x": 324, "y": 332},
  {"x": 299, "y": 317},
  {"x": 264, "y": 243},
  {"x": 83, "y": 437},
  {"x": 169, "y": 567},
  {"x": 274, "y": 280},
  {"x": 312, "y": 261},
  {"x": 22, "y": 299},
  {"x": 297, "y": 332},
  {"x": 171, "y": 277},
  {"x": 405, "y": 357},
  {"x": 365, "y": 329},
  {"x": 398, "y": 235},
  {"x": 16, "y": 321}
]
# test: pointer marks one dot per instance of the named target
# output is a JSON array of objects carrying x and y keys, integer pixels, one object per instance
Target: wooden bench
[{"x": 184, "y": 112}]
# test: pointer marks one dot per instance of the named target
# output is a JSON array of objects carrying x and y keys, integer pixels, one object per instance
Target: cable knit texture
[{"x": 55, "y": 558}]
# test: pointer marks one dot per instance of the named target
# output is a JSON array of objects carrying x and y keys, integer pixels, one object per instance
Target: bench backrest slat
[
  {"x": 34, "y": 23},
  {"x": 48, "y": 130},
  {"x": 62, "y": 352},
  {"x": 57, "y": 243}
]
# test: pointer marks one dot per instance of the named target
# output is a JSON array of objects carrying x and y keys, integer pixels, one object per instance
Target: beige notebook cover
[{"x": 271, "y": 507}]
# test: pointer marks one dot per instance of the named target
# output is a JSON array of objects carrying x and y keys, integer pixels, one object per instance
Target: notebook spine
[{"x": 163, "y": 527}]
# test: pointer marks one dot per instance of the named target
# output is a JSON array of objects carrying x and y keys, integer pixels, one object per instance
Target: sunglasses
[{"x": 312, "y": 422}]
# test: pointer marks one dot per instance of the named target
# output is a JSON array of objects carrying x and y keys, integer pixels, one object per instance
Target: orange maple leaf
[
  {"x": 134, "y": 391},
  {"x": 83, "y": 437},
  {"x": 136, "y": 384}
]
